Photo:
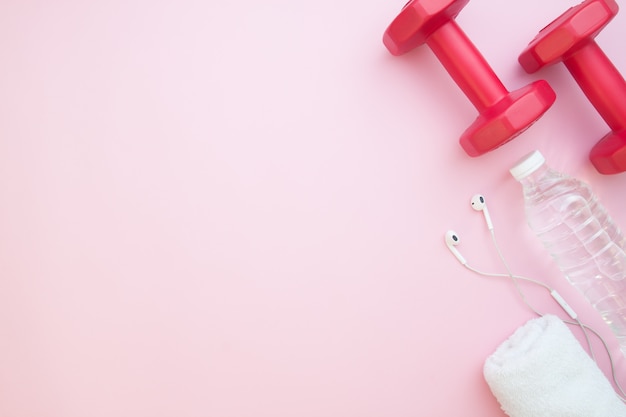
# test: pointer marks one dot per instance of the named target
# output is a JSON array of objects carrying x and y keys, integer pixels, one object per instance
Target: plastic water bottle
[{"x": 577, "y": 231}]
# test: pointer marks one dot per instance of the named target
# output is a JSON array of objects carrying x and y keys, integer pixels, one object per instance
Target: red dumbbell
[
  {"x": 570, "y": 39},
  {"x": 502, "y": 114}
]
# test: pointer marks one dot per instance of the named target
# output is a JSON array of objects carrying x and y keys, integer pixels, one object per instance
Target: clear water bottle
[{"x": 577, "y": 231}]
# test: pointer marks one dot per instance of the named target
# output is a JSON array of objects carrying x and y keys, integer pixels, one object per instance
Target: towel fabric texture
[{"x": 543, "y": 371}]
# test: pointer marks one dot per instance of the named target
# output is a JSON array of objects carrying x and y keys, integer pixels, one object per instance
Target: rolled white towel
[{"x": 542, "y": 371}]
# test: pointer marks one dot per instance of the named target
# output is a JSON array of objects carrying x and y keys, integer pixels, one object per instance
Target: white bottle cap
[{"x": 527, "y": 165}]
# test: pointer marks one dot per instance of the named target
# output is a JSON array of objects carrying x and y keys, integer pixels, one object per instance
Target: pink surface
[{"x": 238, "y": 210}]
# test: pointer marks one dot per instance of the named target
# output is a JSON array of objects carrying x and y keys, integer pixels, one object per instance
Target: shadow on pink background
[{"x": 238, "y": 210}]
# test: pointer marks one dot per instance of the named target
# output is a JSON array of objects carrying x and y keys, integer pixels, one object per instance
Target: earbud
[
  {"x": 452, "y": 240},
  {"x": 479, "y": 204}
]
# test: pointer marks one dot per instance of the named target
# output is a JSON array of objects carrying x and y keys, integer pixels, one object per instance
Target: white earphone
[
  {"x": 452, "y": 240},
  {"x": 479, "y": 204}
]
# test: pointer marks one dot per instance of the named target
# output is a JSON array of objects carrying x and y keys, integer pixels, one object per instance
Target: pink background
[{"x": 237, "y": 209}]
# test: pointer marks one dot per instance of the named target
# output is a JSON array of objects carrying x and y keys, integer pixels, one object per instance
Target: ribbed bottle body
[{"x": 581, "y": 237}]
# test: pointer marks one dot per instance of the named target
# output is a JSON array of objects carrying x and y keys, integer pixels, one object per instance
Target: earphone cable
[
  {"x": 514, "y": 278},
  {"x": 608, "y": 351},
  {"x": 585, "y": 328},
  {"x": 508, "y": 270},
  {"x": 577, "y": 322}
]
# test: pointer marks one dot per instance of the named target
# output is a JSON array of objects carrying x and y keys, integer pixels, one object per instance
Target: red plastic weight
[
  {"x": 570, "y": 39},
  {"x": 502, "y": 114}
]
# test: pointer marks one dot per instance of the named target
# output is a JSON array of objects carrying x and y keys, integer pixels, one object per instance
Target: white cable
[
  {"x": 557, "y": 297},
  {"x": 576, "y": 321},
  {"x": 562, "y": 303},
  {"x": 514, "y": 279}
]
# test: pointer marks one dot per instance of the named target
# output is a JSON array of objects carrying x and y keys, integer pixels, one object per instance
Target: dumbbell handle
[
  {"x": 601, "y": 82},
  {"x": 466, "y": 65}
]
